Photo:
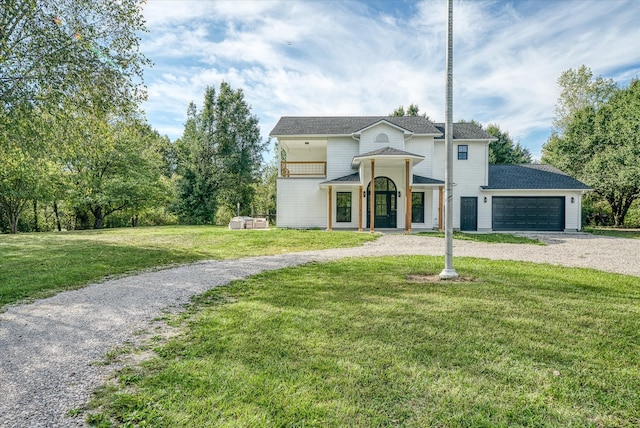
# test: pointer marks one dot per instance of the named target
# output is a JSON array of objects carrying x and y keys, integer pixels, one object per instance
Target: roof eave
[
  {"x": 471, "y": 140},
  {"x": 357, "y": 160},
  {"x": 308, "y": 135}
]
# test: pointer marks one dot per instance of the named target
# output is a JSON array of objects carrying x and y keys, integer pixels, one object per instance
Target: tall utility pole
[{"x": 449, "y": 272}]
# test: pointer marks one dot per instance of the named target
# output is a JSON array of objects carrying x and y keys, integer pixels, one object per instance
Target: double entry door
[{"x": 385, "y": 203}]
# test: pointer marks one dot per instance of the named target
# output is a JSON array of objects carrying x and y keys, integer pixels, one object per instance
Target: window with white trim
[
  {"x": 463, "y": 152},
  {"x": 343, "y": 207}
]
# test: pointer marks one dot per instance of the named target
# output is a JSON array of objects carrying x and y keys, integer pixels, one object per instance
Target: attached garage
[
  {"x": 530, "y": 197},
  {"x": 528, "y": 213}
]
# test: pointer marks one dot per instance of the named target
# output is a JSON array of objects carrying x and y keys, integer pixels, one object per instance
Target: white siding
[
  {"x": 422, "y": 146},
  {"x": 301, "y": 203},
  {"x": 340, "y": 153},
  {"x": 437, "y": 164},
  {"x": 368, "y": 138},
  {"x": 468, "y": 175}
]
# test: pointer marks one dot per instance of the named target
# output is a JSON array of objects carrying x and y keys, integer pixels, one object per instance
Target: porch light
[
  {"x": 485, "y": 199},
  {"x": 399, "y": 194},
  {"x": 572, "y": 200},
  {"x": 364, "y": 194}
]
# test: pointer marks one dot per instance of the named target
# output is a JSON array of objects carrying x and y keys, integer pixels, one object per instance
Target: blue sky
[{"x": 330, "y": 57}]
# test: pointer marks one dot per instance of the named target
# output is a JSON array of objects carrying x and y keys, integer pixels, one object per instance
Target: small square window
[{"x": 463, "y": 152}]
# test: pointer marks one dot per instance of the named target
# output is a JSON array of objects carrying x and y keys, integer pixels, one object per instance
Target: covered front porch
[{"x": 398, "y": 199}]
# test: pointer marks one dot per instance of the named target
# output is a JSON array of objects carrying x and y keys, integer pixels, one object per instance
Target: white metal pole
[{"x": 449, "y": 272}]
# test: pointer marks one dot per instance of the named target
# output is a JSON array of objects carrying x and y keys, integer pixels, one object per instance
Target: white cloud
[{"x": 349, "y": 58}]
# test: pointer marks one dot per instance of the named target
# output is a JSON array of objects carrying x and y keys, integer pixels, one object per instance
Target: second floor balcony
[{"x": 303, "y": 169}]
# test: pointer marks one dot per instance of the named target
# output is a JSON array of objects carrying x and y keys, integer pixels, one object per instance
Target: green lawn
[
  {"x": 492, "y": 238},
  {"x": 618, "y": 233},
  {"x": 374, "y": 342},
  {"x": 39, "y": 264}
]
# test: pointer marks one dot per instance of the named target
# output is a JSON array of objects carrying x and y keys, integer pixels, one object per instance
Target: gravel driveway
[{"x": 50, "y": 348}]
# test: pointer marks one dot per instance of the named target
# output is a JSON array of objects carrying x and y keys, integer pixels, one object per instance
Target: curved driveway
[{"x": 50, "y": 348}]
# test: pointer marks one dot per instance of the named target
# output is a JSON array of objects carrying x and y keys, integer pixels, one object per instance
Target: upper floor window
[
  {"x": 382, "y": 138},
  {"x": 463, "y": 152}
]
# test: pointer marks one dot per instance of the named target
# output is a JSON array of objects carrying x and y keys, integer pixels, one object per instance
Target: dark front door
[
  {"x": 385, "y": 211},
  {"x": 469, "y": 213}
]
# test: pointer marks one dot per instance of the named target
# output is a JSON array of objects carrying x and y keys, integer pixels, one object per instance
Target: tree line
[
  {"x": 91, "y": 168},
  {"x": 76, "y": 151},
  {"x": 596, "y": 139}
]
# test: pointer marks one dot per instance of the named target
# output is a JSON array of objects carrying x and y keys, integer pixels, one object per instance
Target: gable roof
[
  {"x": 465, "y": 131},
  {"x": 388, "y": 151},
  {"x": 355, "y": 179},
  {"x": 531, "y": 176},
  {"x": 347, "y": 125}
]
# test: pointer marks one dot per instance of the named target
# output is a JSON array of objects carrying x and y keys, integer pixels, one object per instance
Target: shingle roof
[
  {"x": 351, "y": 178},
  {"x": 418, "y": 179},
  {"x": 355, "y": 179},
  {"x": 347, "y": 125},
  {"x": 387, "y": 151},
  {"x": 531, "y": 176},
  {"x": 465, "y": 131}
]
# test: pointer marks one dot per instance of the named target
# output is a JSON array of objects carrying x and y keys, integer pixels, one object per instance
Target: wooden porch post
[
  {"x": 330, "y": 209},
  {"x": 360, "y": 209},
  {"x": 372, "y": 198},
  {"x": 407, "y": 215},
  {"x": 440, "y": 210}
]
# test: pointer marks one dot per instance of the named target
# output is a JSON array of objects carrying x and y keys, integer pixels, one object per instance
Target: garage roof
[{"x": 531, "y": 176}]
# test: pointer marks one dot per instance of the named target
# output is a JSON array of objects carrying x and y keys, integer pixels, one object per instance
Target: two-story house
[{"x": 327, "y": 165}]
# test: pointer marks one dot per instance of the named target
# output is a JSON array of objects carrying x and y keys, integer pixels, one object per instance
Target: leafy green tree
[
  {"x": 579, "y": 90},
  {"x": 219, "y": 157},
  {"x": 600, "y": 145},
  {"x": 114, "y": 165},
  {"x": 504, "y": 150},
  {"x": 50, "y": 49},
  {"x": 195, "y": 151},
  {"x": 52, "y": 53},
  {"x": 265, "y": 189},
  {"x": 412, "y": 110},
  {"x": 239, "y": 149},
  {"x": 25, "y": 155}
]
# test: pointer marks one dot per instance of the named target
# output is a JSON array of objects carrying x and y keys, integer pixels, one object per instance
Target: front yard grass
[
  {"x": 40, "y": 264},
  {"x": 493, "y": 238},
  {"x": 618, "y": 233},
  {"x": 375, "y": 342}
]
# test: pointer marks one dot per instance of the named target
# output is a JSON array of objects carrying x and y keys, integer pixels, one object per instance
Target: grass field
[
  {"x": 39, "y": 264},
  {"x": 375, "y": 342},
  {"x": 618, "y": 233},
  {"x": 495, "y": 238}
]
